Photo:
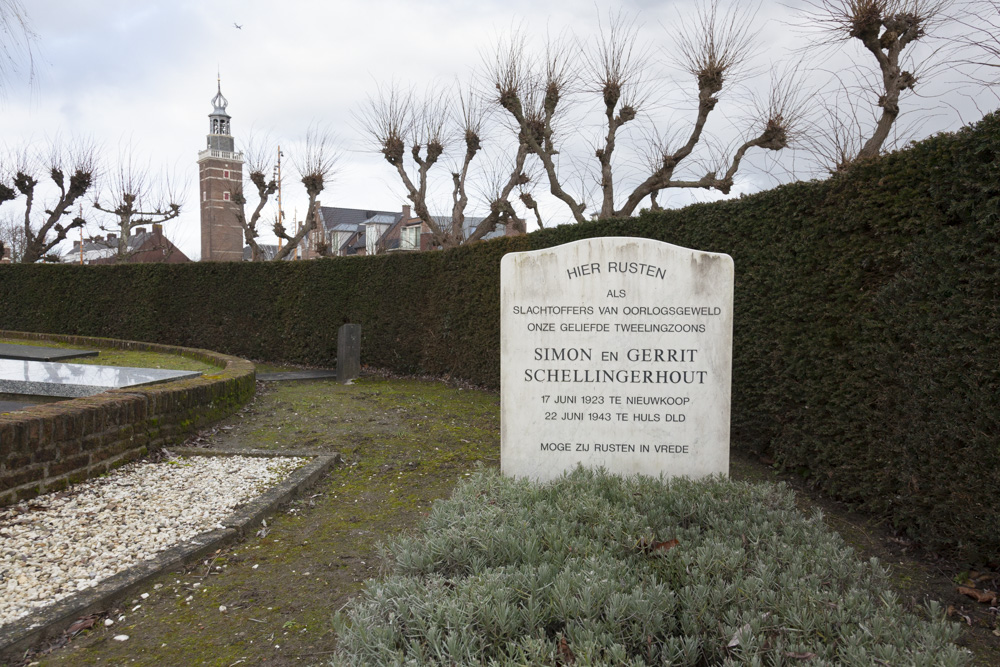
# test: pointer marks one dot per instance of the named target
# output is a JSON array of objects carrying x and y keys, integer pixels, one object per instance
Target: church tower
[{"x": 220, "y": 170}]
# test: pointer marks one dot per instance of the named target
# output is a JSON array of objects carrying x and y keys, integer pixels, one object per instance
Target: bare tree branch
[
  {"x": 25, "y": 168},
  {"x": 17, "y": 42},
  {"x": 132, "y": 199},
  {"x": 263, "y": 179},
  {"x": 532, "y": 93},
  {"x": 316, "y": 165},
  {"x": 615, "y": 69},
  {"x": 981, "y": 39},
  {"x": 714, "y": 48},
  {"x": 12, "y": 239},
  {"x": 885, "y": 28},
  {"x": 433, "y": 128}
]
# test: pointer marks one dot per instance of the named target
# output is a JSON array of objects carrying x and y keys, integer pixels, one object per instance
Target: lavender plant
[{"x": 594, "y": 569}]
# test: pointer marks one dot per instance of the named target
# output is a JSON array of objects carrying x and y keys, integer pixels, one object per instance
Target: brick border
[
  {"x": 29, "y": 632},
  {"x": 49, "y": 446}
]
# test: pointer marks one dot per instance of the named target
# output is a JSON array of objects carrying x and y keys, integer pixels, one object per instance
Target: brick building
[{"x": 220, "y": 171}]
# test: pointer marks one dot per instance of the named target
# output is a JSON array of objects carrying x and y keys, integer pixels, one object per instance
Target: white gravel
[{"x": 58, "y": 544}]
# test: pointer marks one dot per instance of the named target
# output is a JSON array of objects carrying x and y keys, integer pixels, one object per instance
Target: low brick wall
[{"x": 50, "y": 446}]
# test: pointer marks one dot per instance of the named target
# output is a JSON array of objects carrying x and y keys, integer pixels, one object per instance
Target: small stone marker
[
  {"x": 348, "y": 352},
  {"x": 615, "y": 352}
]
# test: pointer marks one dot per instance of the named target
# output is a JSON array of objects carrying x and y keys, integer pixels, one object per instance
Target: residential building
[{"x": 143, "y": 247}]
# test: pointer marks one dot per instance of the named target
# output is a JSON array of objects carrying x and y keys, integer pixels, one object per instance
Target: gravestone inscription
[{"x": 616, "y": 352}]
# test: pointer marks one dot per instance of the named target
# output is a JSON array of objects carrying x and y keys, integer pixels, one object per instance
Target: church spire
[{"x": 219, "y": 134}]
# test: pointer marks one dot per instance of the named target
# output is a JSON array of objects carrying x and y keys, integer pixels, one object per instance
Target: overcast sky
[{"x": 143, "y": 73}]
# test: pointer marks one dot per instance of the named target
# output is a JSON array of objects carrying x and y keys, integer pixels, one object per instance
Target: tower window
[
  {"x": 225, "y": 173},
  {"x": 225, "y": 196}
]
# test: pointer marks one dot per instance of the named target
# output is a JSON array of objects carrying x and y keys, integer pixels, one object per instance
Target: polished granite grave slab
[
  {"x": 43, "y": 378},
  {"x": 35, "y": 353}
]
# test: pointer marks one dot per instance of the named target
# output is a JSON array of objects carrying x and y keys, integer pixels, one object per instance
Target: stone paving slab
[
  {"x": 35, "y": 353},
  {"x": 296, "y": 375},
  {"x": 30, "y": 631}
]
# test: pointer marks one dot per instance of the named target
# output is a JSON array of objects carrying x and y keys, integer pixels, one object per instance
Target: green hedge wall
[{"x": 867, "y": 324}]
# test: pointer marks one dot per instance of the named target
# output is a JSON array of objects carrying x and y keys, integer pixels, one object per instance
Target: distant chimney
[
  {"x": 157, "y": 229},
  {"x": 138, "y": 231},
  {"x": 406, "y": 212},
  {"x": 112, "y": 238}
]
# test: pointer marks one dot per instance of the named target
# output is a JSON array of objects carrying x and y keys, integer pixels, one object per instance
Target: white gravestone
[{"x": 615, "y": 352}]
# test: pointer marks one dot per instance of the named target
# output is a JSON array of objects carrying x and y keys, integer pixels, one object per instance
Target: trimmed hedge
[{"x": 867, "y": 323}]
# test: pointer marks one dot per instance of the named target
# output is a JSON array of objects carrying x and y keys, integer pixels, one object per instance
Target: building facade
[{"x": 220, "y": 172}]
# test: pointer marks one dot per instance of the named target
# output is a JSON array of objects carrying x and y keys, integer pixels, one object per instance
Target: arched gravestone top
[{"x": 616, "y": 352}]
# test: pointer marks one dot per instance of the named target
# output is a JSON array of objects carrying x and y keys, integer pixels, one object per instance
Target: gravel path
[{"x": 58, "y": 544}]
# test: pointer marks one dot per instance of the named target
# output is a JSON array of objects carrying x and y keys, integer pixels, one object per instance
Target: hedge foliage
[
  {"x": 594, "y": 569},
  {"x": 867, "y": 323}
]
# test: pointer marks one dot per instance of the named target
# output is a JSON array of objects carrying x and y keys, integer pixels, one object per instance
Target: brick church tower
[{"x": 220, "y": 170}]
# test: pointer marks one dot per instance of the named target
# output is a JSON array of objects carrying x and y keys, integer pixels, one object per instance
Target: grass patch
[{"x": 586, "y": 571}]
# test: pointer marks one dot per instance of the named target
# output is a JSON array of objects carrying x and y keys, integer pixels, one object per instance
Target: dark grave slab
[
  {"x": 45, "y": 378},
  {"x": 348, "y": 352},
  {"x": 316, "y": 374},
  {"x": 13, "y": 406},
  {"x": 34, "y": 353}
]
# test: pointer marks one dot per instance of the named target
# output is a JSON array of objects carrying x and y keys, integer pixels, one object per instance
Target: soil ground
[{"x": 405, "y": 442}]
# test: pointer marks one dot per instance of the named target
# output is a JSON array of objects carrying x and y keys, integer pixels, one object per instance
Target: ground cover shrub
[{"x": 595, "y": 569}]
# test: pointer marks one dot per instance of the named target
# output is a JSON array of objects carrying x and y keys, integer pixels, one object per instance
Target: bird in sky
[{"x": 238, "y": 26}]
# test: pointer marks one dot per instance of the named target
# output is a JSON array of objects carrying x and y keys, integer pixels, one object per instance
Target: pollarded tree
[
  {"x": 72, "y": 171},
  {"x": 131, "y": 199},
  {"x": 264, "y": 181},
  {"x": 538, "y": 94},
  {"x": 316, "y": 165},
  {"x": 428, "y": 130},
  {"x": 888, "y": 30}
]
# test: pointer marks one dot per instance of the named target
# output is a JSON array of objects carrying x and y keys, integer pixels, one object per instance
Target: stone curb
[{"x": 28, "y": 632}]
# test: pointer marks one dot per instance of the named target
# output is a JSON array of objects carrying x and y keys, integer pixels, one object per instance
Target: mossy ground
[{"x": 405, "y": 443}]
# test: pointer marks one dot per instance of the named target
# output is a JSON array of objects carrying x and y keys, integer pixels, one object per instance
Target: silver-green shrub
[{"x": 579, "y": 572}]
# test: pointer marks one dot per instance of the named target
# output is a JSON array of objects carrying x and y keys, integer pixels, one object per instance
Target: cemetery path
[{"x": 268, "y": 600}]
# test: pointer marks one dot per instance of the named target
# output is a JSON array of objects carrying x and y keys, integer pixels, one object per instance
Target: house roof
[
  {"x": 340, "y": 219},
  {"x": 383, "y": 219},
  {"x": 104, "y": 248}
]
